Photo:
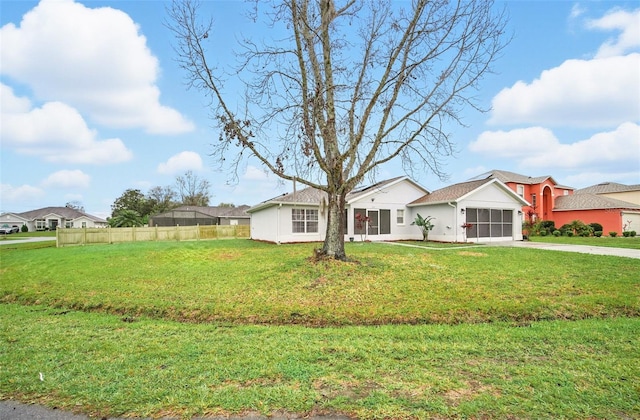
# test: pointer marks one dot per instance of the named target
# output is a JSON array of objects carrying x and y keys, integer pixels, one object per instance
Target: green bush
[
  {"x": 24, "y": 228},
  {"x": 596, "y": 226},
  {"x": 597, "y": 233},
  {"x": 557, "y": 233},
  {"x": 632, "y": 233},
  {"x": 626, "y": 233},
  {"x": 569, "y": 233},
  {"x": 543, "y": 233},
  {"x": 613, "y": 234}
]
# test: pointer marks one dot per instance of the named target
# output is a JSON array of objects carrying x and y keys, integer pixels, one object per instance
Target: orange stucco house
[{"x": 615, "y": 206}]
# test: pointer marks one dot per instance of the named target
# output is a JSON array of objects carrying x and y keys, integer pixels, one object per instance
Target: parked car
[{"x": 6, "y": 229}]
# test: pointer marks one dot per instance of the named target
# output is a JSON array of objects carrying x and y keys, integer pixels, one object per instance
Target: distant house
[
  {"x": 612, "y": 214},
  {"x": 628, "y": 193},
  {"x": 484, "y": 210},
  {"x": 198, "y": 215},
  {"x": 492, "y": 210},
  {"x": 615, "y": 206},
  {"x": 51, "y": 218}
]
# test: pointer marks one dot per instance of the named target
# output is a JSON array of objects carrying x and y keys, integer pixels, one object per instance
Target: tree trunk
[{"x": 334, "y": 239}]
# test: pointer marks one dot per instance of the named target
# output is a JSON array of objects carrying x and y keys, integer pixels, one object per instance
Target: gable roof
[
  {"x": 313, "y": 196},
  {"x": 460, "y": 191},
  {"x": 506, "y": 176},
  {"x": 64, "y": 212},
  {"x": 587, "y": 201},
  {"x": 608, "y": 187}
]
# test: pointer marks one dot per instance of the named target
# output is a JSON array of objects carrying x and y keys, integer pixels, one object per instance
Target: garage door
[{"x": 489, "y": 223}]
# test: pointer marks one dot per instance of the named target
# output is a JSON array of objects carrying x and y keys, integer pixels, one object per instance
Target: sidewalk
[{"x": 12, "y": 410}]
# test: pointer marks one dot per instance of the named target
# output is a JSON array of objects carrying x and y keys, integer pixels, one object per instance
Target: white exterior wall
[
  {"x": 446, "y": 222},
  {"x": 393, "y": 198},
  {"x": 496, "y": 198},
  {"x": 448, "y": 218},
  {"x": 633, "y": 217},
  {"x": 274, "y": 224}
]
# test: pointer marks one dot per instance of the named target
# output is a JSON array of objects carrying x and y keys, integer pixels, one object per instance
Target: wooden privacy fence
[{"x": 87, "y": 236}]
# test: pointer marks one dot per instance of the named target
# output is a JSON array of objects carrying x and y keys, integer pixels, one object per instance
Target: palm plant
[{"x": 425, "y": 225}]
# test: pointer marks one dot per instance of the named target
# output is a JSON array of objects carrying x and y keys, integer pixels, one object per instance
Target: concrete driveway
[{"x": 584, "y": 249}]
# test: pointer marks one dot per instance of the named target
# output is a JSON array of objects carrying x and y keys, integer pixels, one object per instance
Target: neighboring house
[
  {"x": 484, "y": 210},
  {"x": 615, "y": 206},
  {"x": 541, "y": 192},
  {"x": 614, "y": 215},
  {"x": 196, "y": 215},
  {"x": 301, "y": 216},
  {"x": 51, "y": 218},
  {"x": 493, "y": 210},
  {"x": 628, "y": 193}
]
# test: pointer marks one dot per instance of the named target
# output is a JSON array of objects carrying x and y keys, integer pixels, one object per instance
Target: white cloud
[
  {"x": 585, "y": 93},
  {"x": 539, "y": 148},
  {"x": 517, "y": 143},
  {"x": 627, "y": 23},
  {"x": 56, "y": 132},
  {"x": 18, "y": 195},
  {"x": 182, "y": 162},
  {"x": 67, "y": 179},
  {"x": 587, "y": 178},
  {"x": 96, "y": 60},
  {"x": 255, "y": 174}
]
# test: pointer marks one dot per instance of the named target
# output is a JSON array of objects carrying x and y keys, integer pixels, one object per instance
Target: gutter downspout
[
  {"x": 278, "y": 224},
  {"x": 455, "y": 218}
]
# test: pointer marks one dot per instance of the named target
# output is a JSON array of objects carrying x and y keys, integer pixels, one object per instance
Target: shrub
[
  {"x": 543, "y": 233},
  {"x": 569, "y": 233},
  {"x": 557, "y": 233},
  {"x": 596, "y": 226},
  {"x": 597, "y": 233},
  {"x": 626, "y": 233},
  {"x": 632, "y": 233},
  {"x": 547, "y": 226},
  {"x": 613, "y": 234},
  {"x": 24, "y": 228}
]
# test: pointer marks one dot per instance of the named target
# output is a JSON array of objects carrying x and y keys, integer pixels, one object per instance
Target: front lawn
[
  {"x": 247, "y": 282},
  {"x": 235, "y": 326}
]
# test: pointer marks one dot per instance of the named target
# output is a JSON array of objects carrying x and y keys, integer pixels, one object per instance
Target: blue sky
[{"x": 92, "y": 102}]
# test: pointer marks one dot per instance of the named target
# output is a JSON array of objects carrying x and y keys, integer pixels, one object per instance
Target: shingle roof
[
  {"x": 314, "y": 196},
  {"x": 212, "y": 211},
  {"x": 608, "y": 187},
  {"x": 66, "y": 212},
  {"x": 587, "y": 201},
  {"x": 451, "y": 193}
]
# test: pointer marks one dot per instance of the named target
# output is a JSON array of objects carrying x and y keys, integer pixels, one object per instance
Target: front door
[{"x": 373, "y": 221}]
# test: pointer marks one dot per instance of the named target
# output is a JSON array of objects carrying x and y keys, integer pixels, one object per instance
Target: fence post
[
  {"x": 178, "y": 233},
  {"x": 197, "y": 231}
]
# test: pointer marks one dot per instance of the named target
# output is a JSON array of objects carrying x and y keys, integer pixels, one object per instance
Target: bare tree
[
  {"x": 351, "y": 85},
  {"x": 192, "y": 190},
  {"x": 162, "y": 199}
]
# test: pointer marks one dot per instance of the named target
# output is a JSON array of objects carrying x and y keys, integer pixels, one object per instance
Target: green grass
[
  {"x": 246, "y": 282},
  {"x": 617, "y": 242},
  {"x": 103, "y": 366},
  {"x": 228, "y": 327}
]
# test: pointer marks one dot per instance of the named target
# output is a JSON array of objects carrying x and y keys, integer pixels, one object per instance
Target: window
[
  {"x": 489, "y": 223},
  {"x": 400, "y": 216},
  {"x": 68, "y": 224},
  {"x": 304, "y": 221},
  {"x": 385, "y": 222},
  {"x": 520, "y": 190},
  {"x": 566, "y": 192},
  {"x": 40, "y": 224},
  {"x": 534, "y": 201}
]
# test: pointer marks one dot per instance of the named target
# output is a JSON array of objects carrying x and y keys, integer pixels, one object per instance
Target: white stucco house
[
  {"x": 485, "y": 210},
  {"x": 489, "y": 206},
  {"x": 50, "y": 218}
]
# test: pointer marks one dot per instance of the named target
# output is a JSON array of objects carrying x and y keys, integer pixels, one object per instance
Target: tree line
[{"x": 133, "y": 207}]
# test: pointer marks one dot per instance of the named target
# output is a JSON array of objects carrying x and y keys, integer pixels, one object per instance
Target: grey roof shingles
[
  {"x": 66, "y": 212},
  {"x": 608, "y": 187},
  {"x": 587, "y": 201}
]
